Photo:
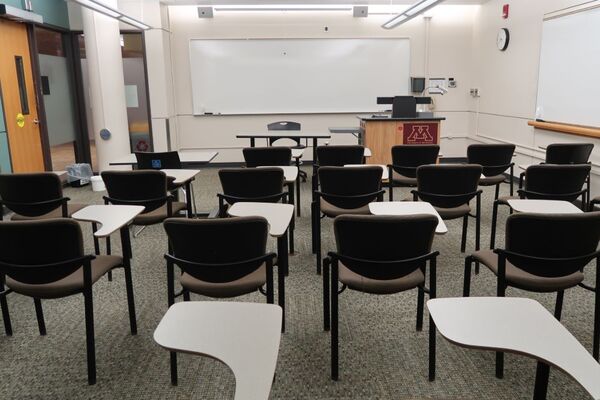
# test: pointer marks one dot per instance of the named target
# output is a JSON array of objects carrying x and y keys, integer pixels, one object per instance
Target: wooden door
[{"x": 20, "y": 105}]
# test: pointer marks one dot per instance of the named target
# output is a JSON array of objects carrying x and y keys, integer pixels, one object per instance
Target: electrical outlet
[
  {"x": 475, "y": 92},
  {"x": 452, "y": 83}
]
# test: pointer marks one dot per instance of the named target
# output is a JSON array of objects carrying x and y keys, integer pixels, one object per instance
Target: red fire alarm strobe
[{"x": 505, "y": 11}]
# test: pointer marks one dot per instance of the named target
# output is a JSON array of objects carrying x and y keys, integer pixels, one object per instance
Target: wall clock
[{"x": 503, "y": 39}]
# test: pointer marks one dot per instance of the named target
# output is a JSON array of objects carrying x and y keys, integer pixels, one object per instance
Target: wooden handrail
[{"x": 566, "y": 128}]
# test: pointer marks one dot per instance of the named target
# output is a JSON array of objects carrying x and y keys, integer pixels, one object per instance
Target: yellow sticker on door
[{"x": 20, "y": 120}]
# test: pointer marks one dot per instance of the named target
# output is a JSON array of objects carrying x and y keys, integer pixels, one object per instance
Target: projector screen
[
  {"x": 270, "y": 76},
  {"x": 569, "y": 85}
]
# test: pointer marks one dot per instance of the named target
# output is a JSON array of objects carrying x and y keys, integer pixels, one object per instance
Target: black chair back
[
  {"x": 494, "y": 158},
  {"x": 267, "y": 156},
  {"x": 31, "y": 194},
  {"x": 146, "y": 188},
  {"x": 553, "y": 237},
  {"x": 350, "y": 187},
  {"x": 382, "y": 239},
  {"x": 227, "y": 246},
  {"x": 284, "y": 126},
  {"x": 555, "y": 182},
  {"x": 448, "y": 185},
  {"x": 40, "y": 251},
  {"x": 568, "y": 153},
  {"x": 407, "y": 157},
  {"x": 158, "y": 160},
  {"x": 252, "y": 184},
  {"x": 338, "y": 156}
]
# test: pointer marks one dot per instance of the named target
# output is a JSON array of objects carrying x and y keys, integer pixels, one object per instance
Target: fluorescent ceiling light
[
  {"x": 283, "y": 7},
  {"x": 418, "y": 8},
  {"x": 96, "y": 5},
  {"x": 134, "y": 22},
  {"x": 101, "y": 8},
  {"x": 421, "y": 7}
]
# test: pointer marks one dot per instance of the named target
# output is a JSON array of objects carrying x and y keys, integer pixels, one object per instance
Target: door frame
[
  {"x": 81, "y": 95},
  {"x": 82, "y": 147}
]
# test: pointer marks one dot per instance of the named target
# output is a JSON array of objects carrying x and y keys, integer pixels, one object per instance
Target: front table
[
  {"x": 520, "y": 326},
  {"x": 279, "y": 216},
  {"x": 186, "y": 157}
]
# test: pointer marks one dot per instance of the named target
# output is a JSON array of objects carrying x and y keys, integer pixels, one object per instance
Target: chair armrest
[{"x": 343, "y": 258}]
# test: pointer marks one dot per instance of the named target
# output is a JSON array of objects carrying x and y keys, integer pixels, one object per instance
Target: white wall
[
  {"x": 508, "y": 80},
  {"x": 448, "y": 48}
]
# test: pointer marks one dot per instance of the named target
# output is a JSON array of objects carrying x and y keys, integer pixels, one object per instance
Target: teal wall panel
[
  {"x": 55, "y": 12},
  {"x": 4, "y": 152}
]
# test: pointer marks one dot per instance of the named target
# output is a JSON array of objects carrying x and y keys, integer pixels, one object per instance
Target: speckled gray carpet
[{"x": 381, "y": 354}]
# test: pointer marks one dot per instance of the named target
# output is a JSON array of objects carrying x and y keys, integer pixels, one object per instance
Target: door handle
[{"x": 36, "y": 121}]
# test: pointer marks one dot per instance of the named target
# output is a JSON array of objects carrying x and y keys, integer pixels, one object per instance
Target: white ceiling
[{"x": 312, "y": 2}]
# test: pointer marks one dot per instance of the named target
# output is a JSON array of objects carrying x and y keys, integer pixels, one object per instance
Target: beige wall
[
  {"x": 508, "y": 80},
  {"x": 448, "y": 50}
]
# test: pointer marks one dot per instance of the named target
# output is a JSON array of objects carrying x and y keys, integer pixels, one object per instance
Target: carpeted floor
[{"x": 381, "y": 354}]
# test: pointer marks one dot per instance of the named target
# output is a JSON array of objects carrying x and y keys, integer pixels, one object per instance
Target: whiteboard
[
  {"x": 270, "y": 76},
  {"x": 569, "y": 79}
]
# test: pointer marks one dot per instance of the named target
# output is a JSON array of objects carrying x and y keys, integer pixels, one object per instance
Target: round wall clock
[{"x": 503, "y": 39}]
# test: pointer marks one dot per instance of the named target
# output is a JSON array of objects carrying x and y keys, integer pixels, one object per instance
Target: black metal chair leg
[
  {"x": 5, "y": 315},
  {"x": 173, "y": 362},
  {"x": 318, "y": 239},
  {"x": 89, "y": 335},
  {"x": 334, "y": 322},
  {"x": 497, "y": 192},
  {"x": 432, "y": 349},
  {"x": 542, "y": 375},
  {"x": 463, "y": 243},
  {"x": 420, "y": 306},
  {"x": 130, "y": 300},
  {"x": 559, "y": 304},
  {"x": 494, "y": 218},
  {"x": 326, "y": 296},
  {"x": 186, "y": 295},
  {"x": 467, "y": 281},
  {"x": 313, "y": 212},
  {"x": 39, "y": 313},
  {"x": 596, "y": 345}
]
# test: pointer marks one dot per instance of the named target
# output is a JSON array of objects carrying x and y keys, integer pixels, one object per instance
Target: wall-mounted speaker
[{"x": 205, "y": 12}]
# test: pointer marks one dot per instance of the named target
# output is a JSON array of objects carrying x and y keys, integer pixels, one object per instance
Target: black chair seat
[
  {"x": 491, "y": 180},
  {"x": 72, "y": 208},
  {"x": 454, "y": 212},
  {"x": 403, "y": 180},
  {"x": 158, "y": 215},
  {"x": 68, "y": 285},
  {"x": 246, "y": 284},
  {"x": 332, "y": 211},
  {"x": 524, "y": 280},
  {"x": 380, "y": 286}
]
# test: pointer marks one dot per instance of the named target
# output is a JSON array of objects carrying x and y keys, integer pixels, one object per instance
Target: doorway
[
  {"x": 136, "y": 91},
  {"x": 57, "y": 83},
  {"x": 19, "y": 99}
]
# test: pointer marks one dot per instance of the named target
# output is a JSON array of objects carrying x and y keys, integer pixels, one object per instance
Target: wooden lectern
[{"x": 381, "y": 133}]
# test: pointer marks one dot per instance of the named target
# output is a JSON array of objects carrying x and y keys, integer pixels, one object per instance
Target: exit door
[{"x": 19, "y": 99}]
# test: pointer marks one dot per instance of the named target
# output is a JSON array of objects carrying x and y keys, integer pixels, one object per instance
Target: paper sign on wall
[{"x": 131, "y": 96}]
